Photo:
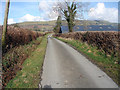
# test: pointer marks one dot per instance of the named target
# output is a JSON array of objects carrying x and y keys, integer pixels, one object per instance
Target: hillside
[
  {"x": 38, "y": 26},
  {"x": 93, "y": 25}
]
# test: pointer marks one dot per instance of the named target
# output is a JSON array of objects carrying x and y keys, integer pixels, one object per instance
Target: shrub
[{"x": 105, "y": 41}]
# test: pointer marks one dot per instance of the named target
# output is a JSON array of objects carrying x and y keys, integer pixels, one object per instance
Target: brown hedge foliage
[
  {"x": 16, "y": 52},
  {"x": 18, "y": 36},
  {"x": 103, "y": 40},
  {"x": 12, "y": 60}
]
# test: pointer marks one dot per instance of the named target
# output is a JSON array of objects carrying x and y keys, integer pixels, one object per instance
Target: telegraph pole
[{"x": 5, "y": 24}]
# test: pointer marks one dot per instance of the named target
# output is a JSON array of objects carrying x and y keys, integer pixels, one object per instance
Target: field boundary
[{"x": 29, "y": 76}]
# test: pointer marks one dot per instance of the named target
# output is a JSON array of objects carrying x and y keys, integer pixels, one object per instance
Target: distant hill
[
  {"x": 49, "y": 25},
  {"x": 38, "y": 26}
]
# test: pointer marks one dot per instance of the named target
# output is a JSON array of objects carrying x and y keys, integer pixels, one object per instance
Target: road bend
[{"x": 64, "y": 67}]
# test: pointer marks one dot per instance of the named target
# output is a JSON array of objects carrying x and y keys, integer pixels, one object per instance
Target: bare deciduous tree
[{"x": 71, "y": 10}]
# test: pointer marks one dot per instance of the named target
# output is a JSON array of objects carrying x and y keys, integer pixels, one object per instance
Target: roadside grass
[
  {"x": 29, "y": 76},
  {"x": 12, "y": 60},
  {"x": 106, "y": 63}
]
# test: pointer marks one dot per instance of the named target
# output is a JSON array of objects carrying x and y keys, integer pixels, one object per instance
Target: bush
[
  {"x": 105, "y": 41},
  {"x": 18, "y": 36}
]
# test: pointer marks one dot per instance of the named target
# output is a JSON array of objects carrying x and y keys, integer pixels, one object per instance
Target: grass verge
[
  {"x": 106, "y": 63},
  {"x": 12, "y": 60},
  {"x": 29, "y": 76}
]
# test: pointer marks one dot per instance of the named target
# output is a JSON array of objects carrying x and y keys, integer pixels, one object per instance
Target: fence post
[{"x": 5, "y": 24}]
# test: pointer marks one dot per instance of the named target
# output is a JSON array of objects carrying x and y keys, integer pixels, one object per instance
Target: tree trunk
[
  {"x": 70, "y": 27},
  {"x": 5, "y": 24}
]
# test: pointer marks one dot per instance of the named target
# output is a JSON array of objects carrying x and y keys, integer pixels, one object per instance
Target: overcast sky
[{"x": 39, "y": 11}]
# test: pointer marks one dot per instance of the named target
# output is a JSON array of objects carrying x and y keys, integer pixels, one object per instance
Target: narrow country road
[{"x": 64, "y": 67}]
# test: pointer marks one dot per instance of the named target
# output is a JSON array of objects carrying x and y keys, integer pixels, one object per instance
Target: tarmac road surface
[{"x": 65, "y": 67}]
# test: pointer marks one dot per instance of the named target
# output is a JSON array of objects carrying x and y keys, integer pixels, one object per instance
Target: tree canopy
[{"x": 57, "y": 28}]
